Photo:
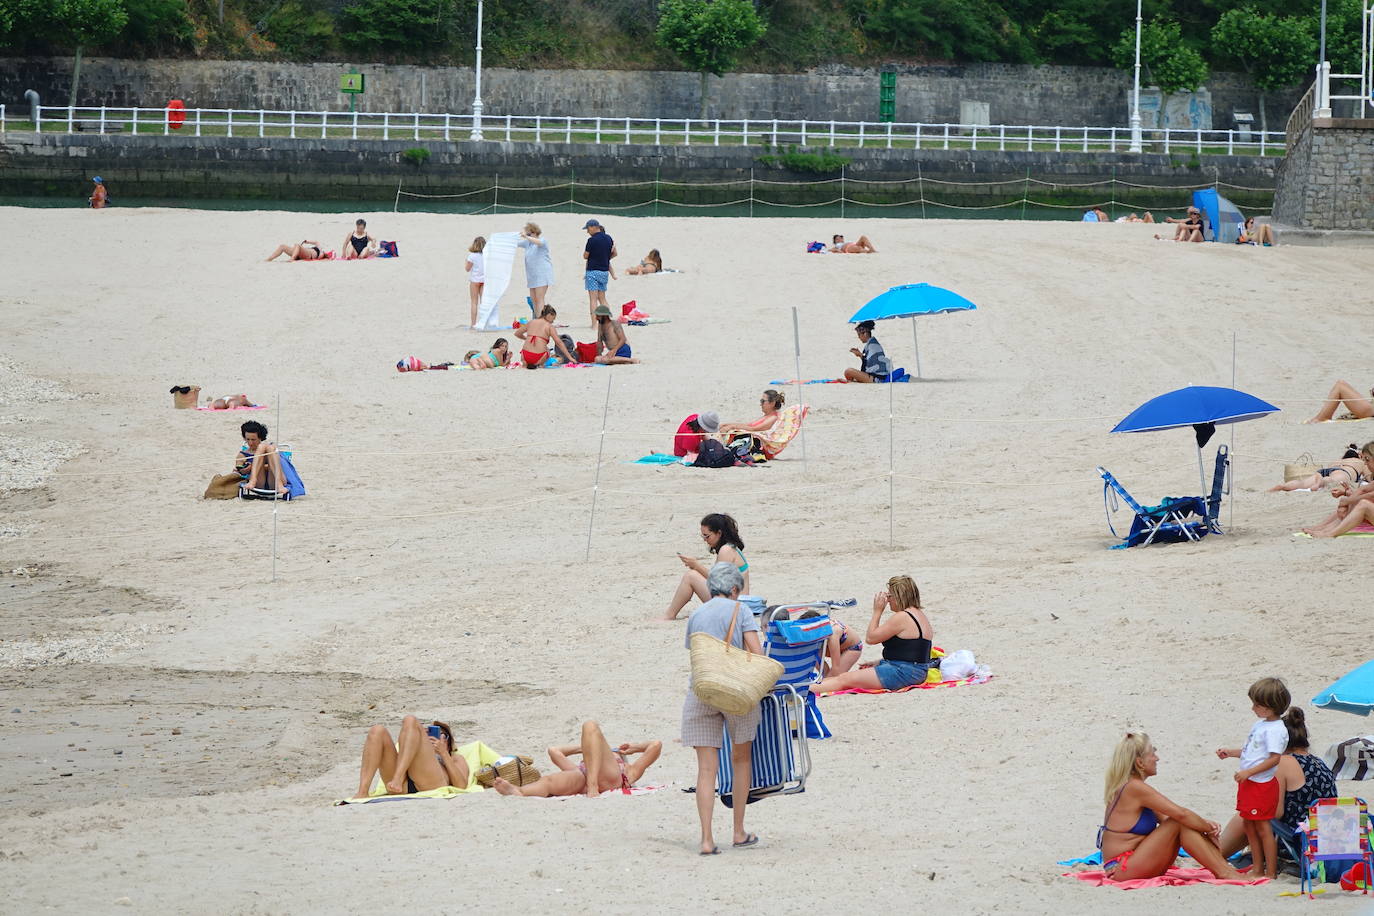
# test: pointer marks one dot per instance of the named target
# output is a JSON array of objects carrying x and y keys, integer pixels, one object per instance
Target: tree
[
  {"x": 708, "y": 35},
  {"x": 80, "y": 24},
  {"x": 1277, "y": 52},
  {"x": 1169, "y": 64},
  {"x": 979, "y": 30},
  {"x": 396, "y": 25},
  {"x": 156, "y": 26}
]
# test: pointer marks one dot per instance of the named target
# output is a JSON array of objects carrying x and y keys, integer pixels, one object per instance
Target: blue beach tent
[{"x": 1224, "y": 218}]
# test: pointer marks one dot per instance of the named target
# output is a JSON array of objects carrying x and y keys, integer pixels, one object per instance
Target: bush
[
  {"x": 416, "y": 156},
  {"x": 300, "y": 32},
  {"x": 792, "y": 158},
  {"x": 157, "y": 26},
  {"x": 397, "y": 25}
]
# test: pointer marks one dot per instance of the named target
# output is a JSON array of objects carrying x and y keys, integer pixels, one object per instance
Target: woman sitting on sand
[
  {"x": 306, "y": 250},
  {"x": 1354, "y": 507},
  {"x": 721, "y": 535},
  {"x": 652, "y": 264},
  {"x": 874, "y": 364},
  {"x": 1344, "y": 394},
  {"x": 538, "y": 333},
  {"x": 415, "y": 762},
  {"x": 771, "y": 402},
  {"x": 602, "y": 769},
  {"x": 905, "y": 637},
  {"x": 1142, "y": 829},
  {"x": 1353, "y": 468},
  {"x": 1250, "y": 234},
  {"x": 496, "y": 358}
]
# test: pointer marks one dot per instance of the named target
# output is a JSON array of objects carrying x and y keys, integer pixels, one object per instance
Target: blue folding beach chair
[
  {"x": 781, "y": 759},
  {"x": 799, "y": 645},
  {"x": 1176, "y": 518}
]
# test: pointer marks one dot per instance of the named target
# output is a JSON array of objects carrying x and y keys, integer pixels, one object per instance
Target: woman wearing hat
[
  {"x": 693, "y": 430},
  {"x": 99, "y": 196},
  {"x": 612, "y": 348}
]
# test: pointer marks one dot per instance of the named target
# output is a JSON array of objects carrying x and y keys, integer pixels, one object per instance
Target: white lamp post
[
  {"x": 477, "y": 92},
  {"x": 1135, "y": 99}
]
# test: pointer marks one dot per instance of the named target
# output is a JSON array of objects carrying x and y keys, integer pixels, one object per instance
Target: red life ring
[{"x": 176, "y": 114}]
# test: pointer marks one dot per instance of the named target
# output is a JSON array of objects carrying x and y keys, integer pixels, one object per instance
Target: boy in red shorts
[{"x": 1257, "y": 792}]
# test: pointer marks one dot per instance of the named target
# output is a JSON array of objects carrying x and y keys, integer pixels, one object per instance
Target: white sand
[{"x": 414, "y": 578}]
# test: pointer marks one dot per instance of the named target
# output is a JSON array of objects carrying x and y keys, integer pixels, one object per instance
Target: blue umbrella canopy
[
  {"x": 912, "y": 301},
  {"x": 1352, "y": 693},
  {"x": 1193, "y": 406}
]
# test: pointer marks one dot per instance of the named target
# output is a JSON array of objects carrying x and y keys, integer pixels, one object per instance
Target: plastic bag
[{"x": 958, "y": 665}]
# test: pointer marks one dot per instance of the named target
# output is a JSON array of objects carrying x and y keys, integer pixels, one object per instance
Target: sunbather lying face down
[
  {"x": 602, "y": 769},
  {"x": 414, "y": 762}
]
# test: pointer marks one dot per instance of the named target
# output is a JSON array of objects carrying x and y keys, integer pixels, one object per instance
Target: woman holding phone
[
  {"x": 420, "y": 759},
  {"x": 722, "y": 538}
]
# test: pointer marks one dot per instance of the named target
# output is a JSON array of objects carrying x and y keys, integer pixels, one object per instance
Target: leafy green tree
[
  {"x": 81, "y": 24},
  {"x": 1169, "y": 64},
  {"x": 977, "y": 30},
  {"x": 1079, "y": 31},
  {"x": 396, "y": 25},
  {"x": 708, "y": 35},
  {"x": 300, "y": 32},
  {"x": 1277, "y": 52},
  {"x": 157, "y": 26},
  {"x": 1342, "y": 35}
]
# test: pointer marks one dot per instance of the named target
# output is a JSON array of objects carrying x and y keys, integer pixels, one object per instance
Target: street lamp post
[
  {"x": 1135, "y": 97},
  {"x": 477, "y": 92}
]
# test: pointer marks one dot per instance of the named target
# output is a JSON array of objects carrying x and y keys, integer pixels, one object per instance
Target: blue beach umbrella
[
  {"x": 1200, "y": 406},
  {"x": 1352, "y": 693},
  {"x": 912, "y": 301}
]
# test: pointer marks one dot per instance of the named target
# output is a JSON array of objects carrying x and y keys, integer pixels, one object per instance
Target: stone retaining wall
[{"x": 1327, "y": 179}]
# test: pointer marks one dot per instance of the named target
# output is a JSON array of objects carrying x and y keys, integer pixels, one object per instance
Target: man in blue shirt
[{"x": 598, "y": 253}]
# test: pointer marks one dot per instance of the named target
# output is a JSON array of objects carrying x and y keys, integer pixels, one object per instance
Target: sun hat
[
  {"x": 709, "y": 421},
  {"x": 602, "y": 312},
  {"x": 98, "y": 180},
  {"x": 590, "y": 223}
]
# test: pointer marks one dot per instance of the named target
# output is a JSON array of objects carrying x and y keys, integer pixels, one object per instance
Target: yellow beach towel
[{"x": 476, "y": 755}]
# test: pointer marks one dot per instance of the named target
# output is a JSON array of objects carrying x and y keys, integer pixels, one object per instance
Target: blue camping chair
[
  {"x": 781, "y": 760},
  {"x": 1172, "y": 520},
  {"x": 800, "y": 646}
]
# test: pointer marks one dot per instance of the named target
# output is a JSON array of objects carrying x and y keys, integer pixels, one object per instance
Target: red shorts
[{"x": 1257, "y": 801}]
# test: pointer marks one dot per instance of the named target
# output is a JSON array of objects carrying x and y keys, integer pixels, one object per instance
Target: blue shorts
[
  {"x": 624, "y": 351},
  {"x": 595, "y": 280},
  {"x": 894, "y": 675}
]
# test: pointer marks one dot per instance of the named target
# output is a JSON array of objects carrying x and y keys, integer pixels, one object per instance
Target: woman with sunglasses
[
  {"x": 771, "y": 402},
  {"x": 415, "y": 762},
  {"x": 721, "y": 535}
]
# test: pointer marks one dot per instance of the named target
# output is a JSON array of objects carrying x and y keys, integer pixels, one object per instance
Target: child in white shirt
[
  {"x": 1257, "y": 792},
  {"x": 477, "y": 277}
]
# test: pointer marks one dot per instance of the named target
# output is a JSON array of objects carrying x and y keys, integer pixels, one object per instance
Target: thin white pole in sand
[
  {"x": 397, "y": 205},
  {"x": 796, "y": 341},
  {"x": 1232, "y": 455},
  {"x": 891, "y": 468},
  {"x": 275, "y": 484},
  {"x": 596, "y": 484}
]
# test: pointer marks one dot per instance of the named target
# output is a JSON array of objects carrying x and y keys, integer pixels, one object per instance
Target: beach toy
[
  {"x": 1355, "y": 879},
  {"x": 410, "y": 364}
]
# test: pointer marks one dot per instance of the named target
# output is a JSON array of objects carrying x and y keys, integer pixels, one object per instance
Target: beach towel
[
  {"x": 498, "y": 263},
  {"x": 789, "y": 424},
  {"x": 476, "y": 755},
  {"x": 657, "y": 459},
  {"x": 1359, "y": 531},
  {"x": 1174, "y": 877},
  {"x": 632, "y": 790},
  {"x": 227, "y": 409},
  {"x": 898, "y": 375},
  {"x": 641, "y": 322},
  {"x": 961, "y": 682}
]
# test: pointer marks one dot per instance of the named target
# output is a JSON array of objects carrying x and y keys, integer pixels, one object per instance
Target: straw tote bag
[
  {"x": 1303, "y": 467},
  {"x": 728, "y": 678}
]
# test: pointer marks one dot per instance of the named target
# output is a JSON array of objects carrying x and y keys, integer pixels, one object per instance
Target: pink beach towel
[
  {"x": 1174, "y": 877},
  {"x": 227, "y": 409},
  {"x": 962, "y": 682}
]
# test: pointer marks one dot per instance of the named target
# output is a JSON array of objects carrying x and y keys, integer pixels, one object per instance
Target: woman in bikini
[
  {"x": 537, "y": 334},
  {"x": 306, "y": 250},
  {"x": 1349, "y": 471},
  {"x": 495, "y": 358},
  {"x": 359, "y": 244},
  {"x": 1142, "y": 829},
  {"x": 843, "y": 649},
  {"x": 771, "y": 402},
  {"x": 602, "y": 769},
  {"x": 1343, "y": 394},
  {"x": 414, "y": 762},
  {"x": 652, "y": 264},
  {"x": 721, "y": 535},
  {"x": 905, "y": 636},
  {"x": 1354, "y": 503}
]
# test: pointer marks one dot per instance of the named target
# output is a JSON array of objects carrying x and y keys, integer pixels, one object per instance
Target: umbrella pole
[
  {"x": 796, "y": 346},
  {"x": 1230, "y": 455},
  {"x": 916, "y": 341},
  {"x": 1201, "y": 474}
]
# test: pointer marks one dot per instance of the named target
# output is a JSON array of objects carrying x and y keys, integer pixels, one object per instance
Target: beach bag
[
  {"x": 1305, "y": 466},
  {"x": 518, "y": 771},
  {"x": 747, "y": 449},
  {"x": 387, "y": 250},
  {"x": 815, "y": 247},
  {"x": 184, "y": 397},
  {"x": 223, "y": 486},
  {"x": 713, "y": 455},
  {"x": 586, "y": 352},
  {"x": 728, "y": 678}
]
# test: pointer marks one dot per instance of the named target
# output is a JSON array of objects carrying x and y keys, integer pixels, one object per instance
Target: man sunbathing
[
  {"x": 258, "y": 463},
  {"x": 603, "y": 768},
  {"x": 862, "y": 246}
]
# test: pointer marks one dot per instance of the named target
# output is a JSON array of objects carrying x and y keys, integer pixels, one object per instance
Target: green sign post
[
  {"x": 887, "y": 96},
  {"x": 353, "y": 85}
]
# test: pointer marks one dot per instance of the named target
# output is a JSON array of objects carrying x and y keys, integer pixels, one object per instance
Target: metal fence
[{"x": 263, "y": 123}]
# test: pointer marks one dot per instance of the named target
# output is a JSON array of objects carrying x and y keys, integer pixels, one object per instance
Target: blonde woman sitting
[
  {"x": 652, "y": 264},
  {"x": 905, "y": 638}
]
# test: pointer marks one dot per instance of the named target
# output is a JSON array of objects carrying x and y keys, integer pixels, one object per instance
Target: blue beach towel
[{"x": 657, "y": 459}]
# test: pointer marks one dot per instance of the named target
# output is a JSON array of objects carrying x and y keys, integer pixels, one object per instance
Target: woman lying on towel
[
  {"x": 722, "y": 538},
  {"x": 905, "y": 637},
  {"x": 602, "y": 769},
  {"x": 1343, "y": 394},
  {"x": 652, "y": 264},
  {"x": 495, "y": 358},
  {"x": 771, "y": 402},
  {"x": 1142, "y": 830},
  {"x": 415, "y": 762},
  {"x": 1351, "y": 469},
  {"x": 304, "y": 251}
]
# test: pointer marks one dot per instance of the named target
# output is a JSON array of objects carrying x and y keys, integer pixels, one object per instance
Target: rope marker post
[
  {"x": 596, "y": 483},
  {"x": 395, "y": 207},
  {"x": 796, "y": 341},
  {"x": 891, "y": 469},
  {"x": 275, "y": 485}
]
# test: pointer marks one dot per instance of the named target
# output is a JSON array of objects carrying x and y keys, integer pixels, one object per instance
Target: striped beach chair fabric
[
  {"x": 1337, "y": 828},
  {"x": 799, "y": 645},
  {"x": 781, "y": 759}
]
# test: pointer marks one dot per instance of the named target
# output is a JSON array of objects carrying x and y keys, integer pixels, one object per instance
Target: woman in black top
[
  {"x": 905, "y": 636},
  {"x": 875, "y": 365}
]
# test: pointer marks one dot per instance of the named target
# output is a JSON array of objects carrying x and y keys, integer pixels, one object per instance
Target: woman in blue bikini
[
  {"x": 722, "y": 538},
  {"x": 1142, "y": 830}
]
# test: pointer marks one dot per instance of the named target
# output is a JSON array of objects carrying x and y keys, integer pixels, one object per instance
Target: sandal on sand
[
  {"x": 750, "y": 840},
  {"x": 714, "y": 852}
]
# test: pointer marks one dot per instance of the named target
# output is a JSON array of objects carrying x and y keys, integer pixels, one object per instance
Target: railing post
[
  {"x": 832, "y": 133},
  {"x": 102, "y": 117},
  {"x": 508, "y": 125},
  {"x": 355, "y": 125},
  {"x": 889, "y": 135},
  {"x": 228, "y": 121},
  {"x": 1230, "y": 143},
  {"x": 197, "y": 122},
  {"x": 918, "y": 134},
  {"x": 1166, "y": 141},
  {"x": 166, "y": 123},
  {"x": 292, "y": 120},
  {"x": 262, "y": 121},
  {"x": 386, "y": 125},
  {"x": 71, "y": 118},
  {"x": 975, "y": 133},
  {"x": 2, "y": 117},
  {"x": 687, "y": 132},
  {"x": 746, "y": 131},
  {"x": 134, "y": 112},
  {"x": 803, "y": 132},
  {"x": 1058, "y": 133},
  {"x": 538, "y": 133},
  {"x": 568, "y": 138},
  {"x": 627, "y": 131},
  {"x": 324, "y": 125},
  {"x": 658, "y": 131},
  {"x": 716, "y": 141},
  {"x": 1262, "y": 142},
  {"x": 973, "y": 138},
  {"x": 417, "y": 125},
  {"x": 1199, "y": 141},
  {"x": 598, "y": 131},
  {"x": 448, "y": 126},
  {"x": 1085, "y": 139},
  {"x": 38, "y": 119},
  {"x": 775, "y": 132},
  {"x": 861, "y": 135},
  {"x": 1002, "y": 138}
]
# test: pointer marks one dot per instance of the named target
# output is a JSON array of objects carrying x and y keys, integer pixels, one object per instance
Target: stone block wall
[
  {"x": 1327, "y": 179},
  {"x": 1015, "y": 94}
]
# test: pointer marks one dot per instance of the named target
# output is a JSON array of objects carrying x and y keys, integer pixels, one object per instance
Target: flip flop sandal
[
  {"x": 751, "y": 840},
  {"x": 713, "y": 852}
]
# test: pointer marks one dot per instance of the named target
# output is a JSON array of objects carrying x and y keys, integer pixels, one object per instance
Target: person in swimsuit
[
  {"x": 862, "y": 246},
  {"x": 1354, "y": 503},
  {"x": 306, "y": 250},
  {"x": 1142, "y": 829},
  {"x": 258, "y": 463},
  {"x": 603, "y": 768},
  {"x": 495, "y": 358},
  {"x": 1349, "y": 471},
  {"x": 232, "y": 401},
  {"x": 875, "y": 365},
  {"x": 1190, "y": 228},
  {"x": 99, "y": 197},
  {"x": 771, "y": 401},
  {"x": 842, "y": 649},
  {"x": 652, "y": 264},
  {"x": 905, "y": 637},
  {"x": 358, "y": 243},
  {"x": 613, "y": 348},
  {"x": 721, "y": 535},
  {"x": 414, "y": 762},
  {"x": 537, "y": 333},
  {"x": 1343, "y": 394}
]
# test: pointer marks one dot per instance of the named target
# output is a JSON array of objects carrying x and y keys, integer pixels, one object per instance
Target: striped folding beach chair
[
  {"x": 781, "y": 759},
  {"x": 1337, "y": 829},
  {"x": 799, "y": 645}
]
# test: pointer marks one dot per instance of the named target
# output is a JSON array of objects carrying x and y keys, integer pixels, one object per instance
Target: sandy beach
[{"x": 177, "y": 724}]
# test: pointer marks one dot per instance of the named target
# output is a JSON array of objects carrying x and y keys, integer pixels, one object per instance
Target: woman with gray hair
[{"x": 702, "y": 725}]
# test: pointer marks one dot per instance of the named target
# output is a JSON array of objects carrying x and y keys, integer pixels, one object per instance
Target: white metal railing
[
  {"x": 1363, "y": 97},
  {"x": 265, "y": 123}
]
